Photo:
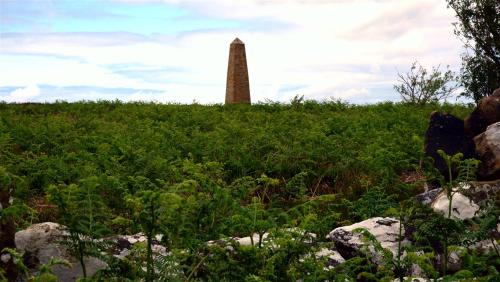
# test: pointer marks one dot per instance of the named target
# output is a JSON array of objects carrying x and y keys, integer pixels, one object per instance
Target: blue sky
[{"x": 176, "y": 50}]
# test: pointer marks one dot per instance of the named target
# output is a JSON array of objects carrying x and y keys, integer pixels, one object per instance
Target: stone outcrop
[
  {"x": 385, "y": 230},
  {"x": 428, "y": 197},
  {"x": 238, "y": 85},
  {"x": 446, "y": 132},
  {"x": 41, "y": 242},
  {"x": 461, "y": 206},
  {"x": 308, "y": 238},
  {"x": 488, "y": 150},
  {"x": 334, "y": 258},
  {"x": 482, "y": 191},
  {"x": 486, "y": 113},
  {"x": 123, "y": 244}
]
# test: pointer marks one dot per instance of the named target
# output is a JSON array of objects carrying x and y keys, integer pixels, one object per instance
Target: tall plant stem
[{"x": 400, "y": 273}]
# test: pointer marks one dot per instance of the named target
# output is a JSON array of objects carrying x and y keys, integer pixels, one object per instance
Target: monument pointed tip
[{"x": 237, "y": 41}]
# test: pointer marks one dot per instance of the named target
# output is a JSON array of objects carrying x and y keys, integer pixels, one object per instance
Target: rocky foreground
[{"x": 41, "y": 242}]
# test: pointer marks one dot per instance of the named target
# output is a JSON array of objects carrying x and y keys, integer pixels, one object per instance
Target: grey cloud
[
  {"x": 373, "y": 94},
  {"x": 394, "y": 23},
  {"x": 147, "y": 73}
]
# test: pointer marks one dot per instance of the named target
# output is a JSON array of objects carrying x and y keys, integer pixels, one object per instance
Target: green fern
[{"x": 83, "y": 214}]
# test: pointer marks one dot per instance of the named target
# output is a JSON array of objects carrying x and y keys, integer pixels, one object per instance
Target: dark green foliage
[
  {"x": 83, "y": 213},
  {"x": 478, "y": 26},
  {"x": 374, "y": 202},
  {"x": 198, "y": 173},
  {"x": 13, "y": 212},
  {"x": 150, "y": 209},
  {"x": 420, "y": 86}
]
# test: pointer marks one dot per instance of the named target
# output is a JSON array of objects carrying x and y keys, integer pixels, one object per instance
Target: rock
[
  {"x": 428, "y": 197},
  {"x": 488, "y": 150},
  {"x": 243, "y": 241},
  {"x": 486, "y": 113},
  {"x": 484, "y": 246},
  {"x": 412, "y": 279},
  {"x": 123, "y": 244},
  {"x": 446, "y": 132},
  {"x": 41, "y": 242},
  {"x": 385, "y": 230},
  {"x": 334, "y": 258},
  {"x": 455, "y": 259},
  {"x": 308, "y": 238},
  {"x": 454, "y": 262},
  {"x": 483, "y": 191},
  {"x": 416, "y": 271},
  {"x": 461, "y": 206},
  {"x": 247, "y": 241}
]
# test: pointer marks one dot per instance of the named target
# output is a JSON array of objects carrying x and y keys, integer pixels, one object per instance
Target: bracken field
[{"x": 195, "y": 174}]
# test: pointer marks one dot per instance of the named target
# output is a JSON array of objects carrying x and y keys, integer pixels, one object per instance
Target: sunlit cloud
[
  {"x": 349, "y": 50},
  {"x": 23, "y": 94}
]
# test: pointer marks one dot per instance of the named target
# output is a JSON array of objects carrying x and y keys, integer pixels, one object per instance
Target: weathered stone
[
  {"x": 385, "y": 230},
  {"x": 485, "y": 246},
  {"x": 123, "y": 244},
  {"x": 415, "y": 270},
  {"x": 334, "y": 258},
  {"x": 486, "y": 113},
  {"x": 247, "y": 241},
  {"x": 483, "y": 191},
  {"x": 238, "y": 86},
  {"x": 307, "y": 238},
  {"x": 412, "y": 279},
  {"x": 41, "y": 242},
  {"x": 455, "y": 259},
  {"x": 446, "y": 133},
  {"x": 488, "y": 149},
  {"x": 461, "y": 206},
  {"x": 429, "y": 196}
]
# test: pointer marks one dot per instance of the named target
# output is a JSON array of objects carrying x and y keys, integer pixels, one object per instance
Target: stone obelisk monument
[{"x": 237, "y": 87}]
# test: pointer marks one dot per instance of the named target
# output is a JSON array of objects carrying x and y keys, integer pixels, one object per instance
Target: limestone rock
[
  {"x": 461, "y": 206},
  {"x": 41, "y": 242},
  {"x": 446, "y": 132},
  {"x": 429, "y": 196},
  {"x": 484, "y": 246},
  {"x": 334, "y": 258},
  {"x": 412, "y": 279},
  {"x": 482, "y": 191},
  {"x": 385, "y": 230},
  {"x": 123, "y": 244},
  {"x": 488, "y": 149},
  {"x": 247, "y": 241},
  {"x": 455, "y": 259},
  {"x": 308, "y": 238},
  {"x": 486, "y": 113}
]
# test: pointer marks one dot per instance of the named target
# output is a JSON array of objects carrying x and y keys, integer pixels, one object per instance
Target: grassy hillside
[
  {"x": 52, "y": 143},
  {"x": 219, "y": 170}
]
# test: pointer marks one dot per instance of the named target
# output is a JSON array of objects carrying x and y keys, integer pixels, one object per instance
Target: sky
[{"x": 176, "y": 51}]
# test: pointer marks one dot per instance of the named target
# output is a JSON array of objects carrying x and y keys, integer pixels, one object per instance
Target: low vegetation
[{"x": 199, "y": 173}]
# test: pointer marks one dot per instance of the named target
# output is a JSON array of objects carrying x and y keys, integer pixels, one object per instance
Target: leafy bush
[
  {"x": 199, "y": 173},
  {"x": 420, "y": 86}
]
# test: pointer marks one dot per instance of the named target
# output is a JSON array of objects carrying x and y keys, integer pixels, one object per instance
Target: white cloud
[
  {"x": 337, "y": 47},
  {"x": 24, "y": 94}
]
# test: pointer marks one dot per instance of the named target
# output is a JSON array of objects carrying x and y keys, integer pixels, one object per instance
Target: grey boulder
[{"x": 41, "y": 242}]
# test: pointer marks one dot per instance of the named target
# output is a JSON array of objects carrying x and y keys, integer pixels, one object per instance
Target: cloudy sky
[{"x": 177, "y": 50}]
